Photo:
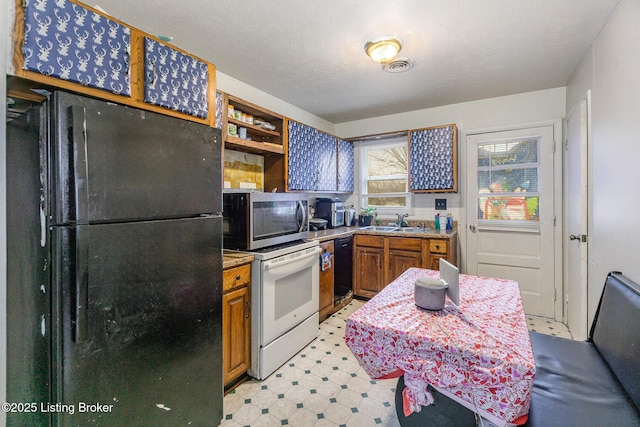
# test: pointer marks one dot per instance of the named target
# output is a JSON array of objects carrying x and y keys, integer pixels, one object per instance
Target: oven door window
[
  {"x": 277, "y": 218},
  {"x": 290, "y": 290}
]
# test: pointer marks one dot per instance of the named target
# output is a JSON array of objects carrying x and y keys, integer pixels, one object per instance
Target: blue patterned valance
[
  {"x": 175, "y": 80},
  {"x": 433, "y": 159},
  {"x": 219, "y": 102},
  {"x": 345, "y": 166},
  {"x": 303, "y": 171},
  {"x": 311, "y": 159},
  {"x": 67, "y": 41}
]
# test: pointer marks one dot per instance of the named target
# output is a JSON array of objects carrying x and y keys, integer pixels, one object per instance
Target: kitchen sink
[
  {"x": 413, "y": 230},
  {"x": 395, "y": 229},
  {"x": 378, "y": 228}
]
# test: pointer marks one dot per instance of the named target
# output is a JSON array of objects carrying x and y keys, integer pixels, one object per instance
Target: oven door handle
[
  {"x": 275, "y": 263},
  {"x": 301, "y": 212}
]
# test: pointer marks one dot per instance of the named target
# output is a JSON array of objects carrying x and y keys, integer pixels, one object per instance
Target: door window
[{"x": 508, "y": 182}]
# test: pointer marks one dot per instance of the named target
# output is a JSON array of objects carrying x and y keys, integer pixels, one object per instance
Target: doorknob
[
  {"x": 472, "y": 227},
  {"x": 579, "y": 237}
]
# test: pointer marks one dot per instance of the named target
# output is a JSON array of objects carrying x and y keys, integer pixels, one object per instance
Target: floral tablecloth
[{"x": 479, "y": 351}]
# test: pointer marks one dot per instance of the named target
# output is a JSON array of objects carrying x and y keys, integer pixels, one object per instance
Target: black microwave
[{"x": 253, "y": 220}]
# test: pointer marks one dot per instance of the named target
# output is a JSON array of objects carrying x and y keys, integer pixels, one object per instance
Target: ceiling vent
[{"x": 399, "y": 65}]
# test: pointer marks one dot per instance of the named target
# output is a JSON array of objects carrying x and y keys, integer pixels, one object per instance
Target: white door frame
[
  {"x": 463, "y": 229},
  {"x": 583, "y": 305}
]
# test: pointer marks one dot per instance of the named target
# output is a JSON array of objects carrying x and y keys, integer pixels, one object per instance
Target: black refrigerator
[{"x": 114, "y": 266}]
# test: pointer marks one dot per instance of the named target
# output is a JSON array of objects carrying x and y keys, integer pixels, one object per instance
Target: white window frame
[{"x": 364, "y": 148}]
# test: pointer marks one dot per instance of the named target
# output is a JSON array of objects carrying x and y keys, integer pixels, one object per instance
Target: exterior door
[
  {"x": 510, "y": 213},
  {"x": 575, "y": 239}
]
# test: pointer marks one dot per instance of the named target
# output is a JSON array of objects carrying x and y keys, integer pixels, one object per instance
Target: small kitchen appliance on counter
[
  {"x": 350, "y": 216},
  {"x": 332, "y": 210}
]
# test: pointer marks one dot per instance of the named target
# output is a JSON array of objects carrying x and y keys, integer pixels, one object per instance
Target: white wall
[
  {"x": 611, "y": 69},
  {"x": 539, "y": 106}
]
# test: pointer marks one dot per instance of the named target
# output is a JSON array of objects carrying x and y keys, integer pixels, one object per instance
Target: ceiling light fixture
[{"x": 383, "y": 49}]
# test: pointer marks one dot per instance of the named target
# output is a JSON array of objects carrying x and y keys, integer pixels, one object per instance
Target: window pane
[
  {"x": 510, "y": 208},
  {"x": 387, "y": 186},
  {"x": 388, "y": 161},
  {"x": 387, "y": 201},
  {"x": 508, "y": 180},
  {"x": 507, "y": 153}
]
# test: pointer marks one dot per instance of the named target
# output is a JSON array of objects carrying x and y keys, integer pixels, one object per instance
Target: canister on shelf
[
  {"x": 242, "y": 132},
  {"x": 232, "y": 129},
  {"x": 237, "y": 114},
  {"x": 230, "y": 111}
]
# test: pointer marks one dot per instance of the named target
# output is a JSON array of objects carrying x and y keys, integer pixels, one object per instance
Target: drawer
[
  {"x": 438, "y": 246},
  {"x": 236, "y": 277},
  {"x": 365, "y": 240},
  {"x": 405, "y": 243}
]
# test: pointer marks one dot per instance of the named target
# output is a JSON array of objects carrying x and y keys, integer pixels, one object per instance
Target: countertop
[
  {"x": 335, "y": 233},
  {"x": 232, "y": 259}
]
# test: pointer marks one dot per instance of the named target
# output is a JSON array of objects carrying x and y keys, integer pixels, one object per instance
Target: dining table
[{"x": 477, "y": 352}]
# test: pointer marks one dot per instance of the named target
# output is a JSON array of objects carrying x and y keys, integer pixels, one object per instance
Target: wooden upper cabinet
[
  {"x": 70, "y": 42},
  {"x": 64, "y": 44},
  {"x": 433, "y": 159},
  {"x": 175, "y": 80}
]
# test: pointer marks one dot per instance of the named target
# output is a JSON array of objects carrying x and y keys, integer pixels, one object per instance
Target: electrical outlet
[{"x": 441, "y": 204}]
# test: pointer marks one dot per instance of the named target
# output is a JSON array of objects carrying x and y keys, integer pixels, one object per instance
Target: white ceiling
[{"x": 310, "y": 53}]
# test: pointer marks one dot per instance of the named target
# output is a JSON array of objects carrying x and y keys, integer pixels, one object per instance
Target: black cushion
[
  {"x": 573, "y": 386},
  {"x": 616, "y": 331}
]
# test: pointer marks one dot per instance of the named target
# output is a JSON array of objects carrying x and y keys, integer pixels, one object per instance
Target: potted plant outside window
[{"x": 367, "y": 215}]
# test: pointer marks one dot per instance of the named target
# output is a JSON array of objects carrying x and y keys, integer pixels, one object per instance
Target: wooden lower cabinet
[
  {"x": 403, "y": 253},
  {"x": 236, "y": 322},
  {"x": 378, "y": 260},
  {"x": 434, "y": 249},
  {"x": 326, "y": 282},
  {"x": 368, "y": 269}
]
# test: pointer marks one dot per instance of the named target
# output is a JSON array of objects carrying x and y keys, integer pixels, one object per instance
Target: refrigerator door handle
[
  {"x": 81, "y": 285},
  {"x": 80, "y": 167}
]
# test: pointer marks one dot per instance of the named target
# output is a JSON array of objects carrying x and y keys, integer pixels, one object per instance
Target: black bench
[
  {"x": 577, "y": 383},
  {"x": 594, "y": 382}
]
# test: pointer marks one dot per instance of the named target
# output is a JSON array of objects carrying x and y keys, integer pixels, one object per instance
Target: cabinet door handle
[{"x": 248, "y": 309}]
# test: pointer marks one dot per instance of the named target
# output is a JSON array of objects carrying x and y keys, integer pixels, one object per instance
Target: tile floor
[{"x": 323, "y": 385}]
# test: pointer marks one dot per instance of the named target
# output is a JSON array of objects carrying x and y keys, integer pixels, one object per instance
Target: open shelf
[
  {"x": 263, "y": 142},
  {"x": 251, "y": 146}
]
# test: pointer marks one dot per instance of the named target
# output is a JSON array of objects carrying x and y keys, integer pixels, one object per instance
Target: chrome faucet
[{"x": 401, "y": 218}]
